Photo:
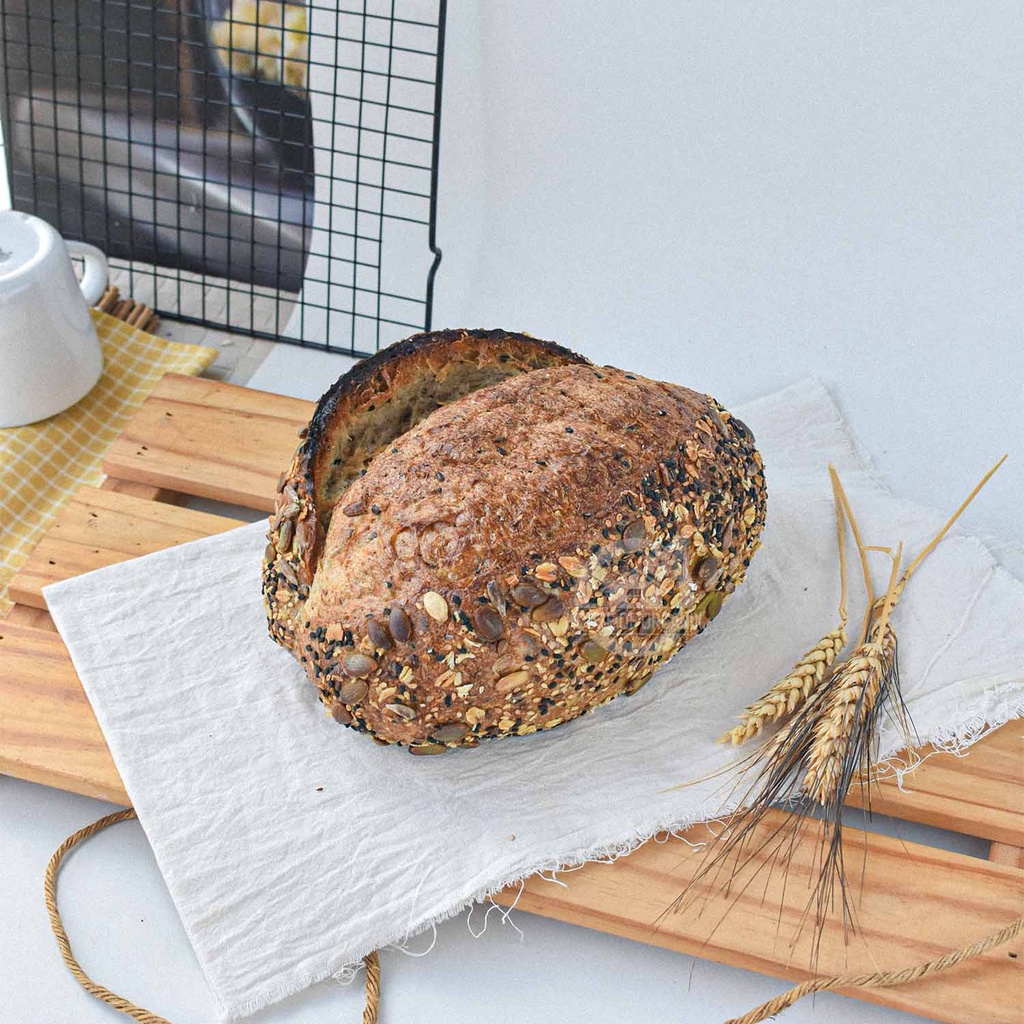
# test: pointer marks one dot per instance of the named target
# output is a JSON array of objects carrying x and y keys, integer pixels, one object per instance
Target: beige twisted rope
[
  {"x": 880, "y": 979},
  {"x": 372, "y": 1007},
  {"x": 370, "y": 1011},
  {"x": 50, "y": 888}
]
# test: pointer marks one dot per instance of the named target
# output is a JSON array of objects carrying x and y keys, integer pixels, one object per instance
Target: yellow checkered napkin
[{"x": 43, "y": 464}]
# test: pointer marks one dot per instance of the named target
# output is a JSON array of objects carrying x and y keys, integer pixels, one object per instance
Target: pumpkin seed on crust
[
  {"x": 400, "y": 625},
  {"x": 352, "y": 691},
  {"x": 527, "y": 595},
  {"x": 488, "y": 624},
  {"x": 358, "y": 665},
  {"x": 378, "y": 634},
  {"x": 450, "y": 732},
  {"x": 435, "y": 606}
]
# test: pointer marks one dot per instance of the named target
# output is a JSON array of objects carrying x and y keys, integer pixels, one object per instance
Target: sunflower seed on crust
[
  {"x": 305, "y": 533},
  {"x": 497, "y": 597},
  {"x": 284, "y": 536}
]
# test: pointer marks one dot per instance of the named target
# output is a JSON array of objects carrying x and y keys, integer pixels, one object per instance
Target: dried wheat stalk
[{"x": 829, "y": 711}]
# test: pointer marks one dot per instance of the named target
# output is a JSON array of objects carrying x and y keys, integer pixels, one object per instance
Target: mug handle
[{"x": 97, "y": 272}]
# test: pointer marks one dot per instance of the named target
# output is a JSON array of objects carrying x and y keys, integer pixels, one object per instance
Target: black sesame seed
[
  {"x": 439, "y": 475},
  {"x": 569, "y": 430}
]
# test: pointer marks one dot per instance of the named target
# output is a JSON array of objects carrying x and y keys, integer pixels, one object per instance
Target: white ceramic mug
[{"x": 50, "y": 356}]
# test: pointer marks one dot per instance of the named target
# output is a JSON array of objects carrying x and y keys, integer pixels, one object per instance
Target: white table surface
[{"x": 726, "y": 196}]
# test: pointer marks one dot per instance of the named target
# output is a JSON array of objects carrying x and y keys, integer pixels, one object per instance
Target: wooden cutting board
[{"x": 203, "y": 438}]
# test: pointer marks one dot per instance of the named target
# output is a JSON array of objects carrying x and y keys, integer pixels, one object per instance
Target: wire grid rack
[{"x": 267, "y": 167}]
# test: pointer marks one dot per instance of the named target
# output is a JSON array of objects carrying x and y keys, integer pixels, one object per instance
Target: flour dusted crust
[{"x": 461, "y": 553}]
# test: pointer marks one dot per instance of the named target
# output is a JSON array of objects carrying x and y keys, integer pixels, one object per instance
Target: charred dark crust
[{"x": 417, "y": 345}]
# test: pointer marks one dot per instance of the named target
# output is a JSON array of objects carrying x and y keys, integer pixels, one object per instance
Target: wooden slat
[
  {"x": 1000, "y": 853},
  {"x": 48, "y": 732},
  {"x": 210, "y": 439},
  {"x": 979, "y": 794},
  {"x": 916, "y": 904},
  {"x": 100, "y": 527},
  {"x": 23, "y": 615},
  {"x": 144, "y": 491}
]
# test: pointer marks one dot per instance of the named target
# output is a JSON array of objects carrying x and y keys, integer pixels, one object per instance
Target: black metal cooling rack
[{"x": 262, "y": 166}]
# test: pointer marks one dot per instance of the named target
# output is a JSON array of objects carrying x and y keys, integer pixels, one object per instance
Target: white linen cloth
[{"x": 292, "y": 846}]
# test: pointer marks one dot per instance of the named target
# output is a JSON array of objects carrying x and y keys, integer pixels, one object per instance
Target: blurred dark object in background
[{"x": 169, "y": 132}]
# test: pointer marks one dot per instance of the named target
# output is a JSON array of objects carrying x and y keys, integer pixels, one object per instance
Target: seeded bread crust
[{"x": 523, "y": 554}]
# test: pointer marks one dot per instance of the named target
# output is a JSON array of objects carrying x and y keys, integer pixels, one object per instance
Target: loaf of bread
[{"x": 483, "y": 534}]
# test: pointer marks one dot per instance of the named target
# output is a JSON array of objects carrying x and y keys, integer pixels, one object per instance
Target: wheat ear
[
  {"x": 810, "y": 671},
  {"x": 791, "y": 692},
  {"x": 852, "y": 695}
]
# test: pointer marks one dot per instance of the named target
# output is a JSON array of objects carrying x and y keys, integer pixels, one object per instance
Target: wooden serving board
[{"x": 202, "y": 438}]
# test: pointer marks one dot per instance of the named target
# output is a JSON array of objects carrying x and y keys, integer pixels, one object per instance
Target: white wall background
[{"x": 742, "y": 194}]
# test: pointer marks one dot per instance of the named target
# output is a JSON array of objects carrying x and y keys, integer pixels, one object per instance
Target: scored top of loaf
[{"x": 510, "y": 475}]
